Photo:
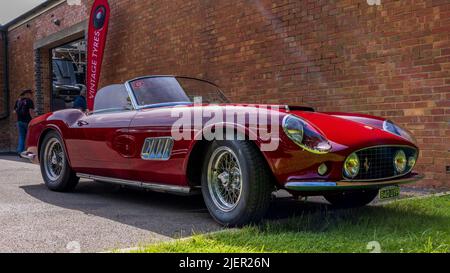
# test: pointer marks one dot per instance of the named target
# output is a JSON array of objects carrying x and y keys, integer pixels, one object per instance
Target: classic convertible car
[{"x": 129, "y": 139}]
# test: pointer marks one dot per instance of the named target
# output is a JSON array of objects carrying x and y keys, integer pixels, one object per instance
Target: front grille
[
  {"x": 378, "y": 162},
  {"x": 157, "y": 148}
]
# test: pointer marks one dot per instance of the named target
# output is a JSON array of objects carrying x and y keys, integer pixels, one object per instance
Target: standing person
[
  {"x": 80, "y": 101},
  {"x": 24, "y": 109}
]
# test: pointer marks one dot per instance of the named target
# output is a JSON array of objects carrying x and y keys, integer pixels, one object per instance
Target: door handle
[{"x": 82, "y": 123}]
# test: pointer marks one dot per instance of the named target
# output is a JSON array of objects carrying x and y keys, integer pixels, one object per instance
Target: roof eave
[{"x": 29, "y": 13}]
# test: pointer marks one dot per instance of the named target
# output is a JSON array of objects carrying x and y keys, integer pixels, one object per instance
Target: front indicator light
[
  {"x": 400, "y": 162},
  {"x": 322, "y": 170},
  {"x": 351, "y": 166}
]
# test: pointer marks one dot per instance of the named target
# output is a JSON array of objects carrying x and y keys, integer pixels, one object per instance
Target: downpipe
[{"x": 5, "y": 113}]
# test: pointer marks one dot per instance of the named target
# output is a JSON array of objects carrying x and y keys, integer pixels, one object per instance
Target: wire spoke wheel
[
  {"x": 55, "y": 160},
  {"x": 225, "y": 179}
]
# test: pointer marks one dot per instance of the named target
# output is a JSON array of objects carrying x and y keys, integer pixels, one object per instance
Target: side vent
[{"x": 157, "y": 148}]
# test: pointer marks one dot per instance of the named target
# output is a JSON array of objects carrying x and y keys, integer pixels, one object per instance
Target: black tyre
[
  {"x": 353, "y": 199},
  {"x": 55, "y": 168},
  {"x": 236, "y": 183}
]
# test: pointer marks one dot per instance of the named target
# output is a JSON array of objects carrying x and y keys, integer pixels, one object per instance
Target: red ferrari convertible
[{"x": 154, "y": 133}]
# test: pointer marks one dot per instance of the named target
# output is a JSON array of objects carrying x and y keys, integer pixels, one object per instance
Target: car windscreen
[{"x": 160, "y": 90}]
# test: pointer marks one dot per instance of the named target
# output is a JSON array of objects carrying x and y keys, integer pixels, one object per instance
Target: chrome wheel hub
[
  {"x": 54, "y": 159},
  {"x": 224, "y": 179}
]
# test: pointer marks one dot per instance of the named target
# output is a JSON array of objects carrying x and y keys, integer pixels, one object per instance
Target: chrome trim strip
[
  {"x": 150, "y": 186},
  {"x": 384, "y": 178},
  {"x": 346, "y": 185},
  {"x": 311, "y": 184},
  {"x": 383, "y": 146}
]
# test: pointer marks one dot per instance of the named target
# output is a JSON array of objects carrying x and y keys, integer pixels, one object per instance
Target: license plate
[{"x": 389, "y": 192}]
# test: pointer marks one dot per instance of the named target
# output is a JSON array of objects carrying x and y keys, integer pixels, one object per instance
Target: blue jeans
[{"x": 23, "y": 128}]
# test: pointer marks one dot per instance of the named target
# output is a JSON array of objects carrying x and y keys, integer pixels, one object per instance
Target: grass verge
[{"x": 410, "y": 226}]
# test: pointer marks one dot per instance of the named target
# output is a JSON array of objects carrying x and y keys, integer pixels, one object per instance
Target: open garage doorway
[{"x": 69, "y": 74}]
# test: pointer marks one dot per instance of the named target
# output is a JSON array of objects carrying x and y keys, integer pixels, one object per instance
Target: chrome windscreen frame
[
  {"x": 134, "y": 101},
  {"x": 131, "y": 94},
  {"x": 136, "y": 105}
]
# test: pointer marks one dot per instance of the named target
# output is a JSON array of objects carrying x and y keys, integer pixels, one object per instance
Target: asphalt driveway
[{"x": 98, "y": 217}]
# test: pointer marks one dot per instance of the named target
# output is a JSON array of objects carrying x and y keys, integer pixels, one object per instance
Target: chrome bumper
[
  {"x": 311, "y": 186},
  {"x": 28, "y": 155}
]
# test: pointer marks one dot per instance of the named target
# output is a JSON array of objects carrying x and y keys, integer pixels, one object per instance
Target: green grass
[{"x": 410, "y": 226}]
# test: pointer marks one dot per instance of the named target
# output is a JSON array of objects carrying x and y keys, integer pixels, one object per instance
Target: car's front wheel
[
  {"x": 353, "y": 199},
  {"x": 236, "y": 184},
  {"x": 55, "y": 168}
]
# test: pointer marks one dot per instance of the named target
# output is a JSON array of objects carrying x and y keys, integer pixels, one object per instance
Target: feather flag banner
[{"x": 98, "y": 30}]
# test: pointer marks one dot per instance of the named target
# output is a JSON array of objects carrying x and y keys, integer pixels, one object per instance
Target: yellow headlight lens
[
  {"x": 351, "y": 166},
  {"x": 400, "y": 161}
]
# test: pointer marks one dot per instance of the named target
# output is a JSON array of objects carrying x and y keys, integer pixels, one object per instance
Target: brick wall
[{"x": 391, "y": 60}]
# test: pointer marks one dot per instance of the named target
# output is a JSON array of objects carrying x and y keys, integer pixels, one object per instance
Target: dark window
[{"x": 68, "y": 74}]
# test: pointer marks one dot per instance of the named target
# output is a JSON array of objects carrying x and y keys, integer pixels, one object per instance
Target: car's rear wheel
[
  {"x": 55, "y": 168},
  {"x": 353, "y": 199},
  {"x": 236, "y": 184}
]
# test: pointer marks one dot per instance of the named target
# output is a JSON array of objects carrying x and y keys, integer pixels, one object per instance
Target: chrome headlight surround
[
  {"x": 393, "y": 128},
  {"x": 305, "y": 135}
]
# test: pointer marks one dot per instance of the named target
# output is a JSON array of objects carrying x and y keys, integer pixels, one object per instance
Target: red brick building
[{"x": 391, "y": 60}]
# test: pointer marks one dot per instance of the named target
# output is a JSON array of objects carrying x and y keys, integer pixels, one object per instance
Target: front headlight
[
  {"x": 352, "y": 166},
  {"x": 305, "y": 135},
  {"x": 392, "y": 128},
  {"x": 400, "y": 162}
]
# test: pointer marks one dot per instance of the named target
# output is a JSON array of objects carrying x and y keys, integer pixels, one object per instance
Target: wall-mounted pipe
[{"x": 5, "y": 113}]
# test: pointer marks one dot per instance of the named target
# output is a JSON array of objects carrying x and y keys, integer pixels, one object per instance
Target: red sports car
[{"x": 181, "y": 135}]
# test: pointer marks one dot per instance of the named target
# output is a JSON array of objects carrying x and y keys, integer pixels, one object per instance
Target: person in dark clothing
[
  {"x": 24, "y": 109},
  {"x": 80, "y": 101}
]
